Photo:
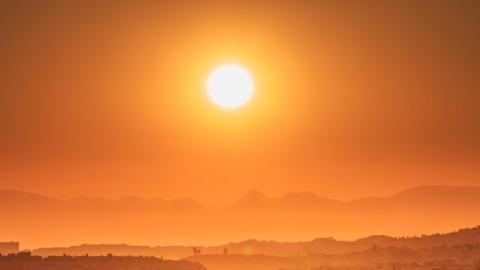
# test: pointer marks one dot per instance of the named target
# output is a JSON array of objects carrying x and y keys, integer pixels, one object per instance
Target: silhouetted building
[{"x": 9, "y": 247}]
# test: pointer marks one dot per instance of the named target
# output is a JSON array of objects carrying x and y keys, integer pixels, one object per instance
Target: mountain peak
[
  {"x": 307, "y": 198},
  {"x": 253, "y": 197}
]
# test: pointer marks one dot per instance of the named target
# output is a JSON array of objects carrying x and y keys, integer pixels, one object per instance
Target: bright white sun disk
[{"x": 230, "y": 86}]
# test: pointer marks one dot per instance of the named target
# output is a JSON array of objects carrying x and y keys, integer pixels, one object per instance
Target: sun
[{"x": 230, "y": 86}]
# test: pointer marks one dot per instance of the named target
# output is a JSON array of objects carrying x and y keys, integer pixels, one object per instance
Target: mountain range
[{"x": 38, "y": 220}]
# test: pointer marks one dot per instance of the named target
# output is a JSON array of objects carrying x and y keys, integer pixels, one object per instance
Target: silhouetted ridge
[
  {"x": 454, "y": 243},
  {"x": 306, "y": 199},
  {"x": 448, "y": 191},
  {"x": 292, "y": 216},
  {"x": 253, "y": 198}
]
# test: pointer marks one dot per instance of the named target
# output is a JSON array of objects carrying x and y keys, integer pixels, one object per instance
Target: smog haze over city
[{"x": 240, "y": 135}]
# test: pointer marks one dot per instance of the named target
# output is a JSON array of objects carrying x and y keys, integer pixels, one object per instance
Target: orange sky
[{"x": 353, "y": 98}]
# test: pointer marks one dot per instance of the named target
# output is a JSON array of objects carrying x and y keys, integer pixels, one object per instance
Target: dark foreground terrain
[
  {"x": 374, "y": 260},
  {"x": 25, "y": 261}
]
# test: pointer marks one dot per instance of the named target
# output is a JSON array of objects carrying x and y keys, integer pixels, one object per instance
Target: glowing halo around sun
[{"x": 230, "y": 86}]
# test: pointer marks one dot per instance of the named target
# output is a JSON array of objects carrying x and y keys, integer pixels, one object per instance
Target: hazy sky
[{"x": 353, "y": 98}]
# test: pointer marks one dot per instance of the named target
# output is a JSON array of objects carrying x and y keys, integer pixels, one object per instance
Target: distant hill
[
  {"x": 461, "y": 247},
  {"x": 291, "y": 217},
  {"x": 332, "y": 246},
  {"x": 467, "y": 254},
  {"x": 254, "y": 199}
]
